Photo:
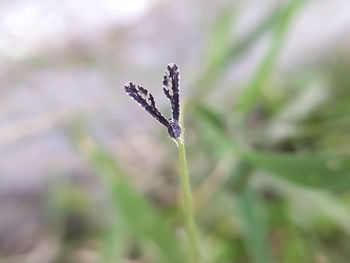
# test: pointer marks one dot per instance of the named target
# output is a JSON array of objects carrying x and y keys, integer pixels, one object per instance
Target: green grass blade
[
  {"x": 251, "y": 211},
  {"x": 308, "y": 169},
  {"x": 231, "y": 52},
  {"x": 114, "y": 241},
  {"x": 255, "y": 228},
  {"x": 210, "y": 123},
  {"x": 220, "y": 37},
  {"x": 328, "y": 204},
  {"x": 251, "y": 93},
  {"x": 321, "y": 170}
]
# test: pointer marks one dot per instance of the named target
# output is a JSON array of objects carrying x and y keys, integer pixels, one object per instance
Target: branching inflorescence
[{"x": 171, "y": 88}]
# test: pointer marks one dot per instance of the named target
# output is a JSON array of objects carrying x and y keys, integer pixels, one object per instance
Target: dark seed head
[{"x": 174, "y": 129}]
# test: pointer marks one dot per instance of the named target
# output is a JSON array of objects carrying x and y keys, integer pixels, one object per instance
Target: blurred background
[{"x": 86, "y": 175}]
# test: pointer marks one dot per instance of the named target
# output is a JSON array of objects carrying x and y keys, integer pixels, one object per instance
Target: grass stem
[{"x": 190, "y": 223}]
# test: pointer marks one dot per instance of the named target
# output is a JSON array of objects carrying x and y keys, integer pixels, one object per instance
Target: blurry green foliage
[
  {"x": 134, "y": 212},
  {"x": 283, "y": 198}
]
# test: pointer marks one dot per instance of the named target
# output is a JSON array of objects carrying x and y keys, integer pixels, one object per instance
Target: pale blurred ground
[{"x": 63, "y": 59}]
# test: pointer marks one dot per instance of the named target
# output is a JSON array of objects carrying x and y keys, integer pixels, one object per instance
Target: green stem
[{"x": 187, "y": 204}]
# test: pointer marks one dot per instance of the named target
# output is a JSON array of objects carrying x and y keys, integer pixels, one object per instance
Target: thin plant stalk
[{"x": 190, "y": 222}]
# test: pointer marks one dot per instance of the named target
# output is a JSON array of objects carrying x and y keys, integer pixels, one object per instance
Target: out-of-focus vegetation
[{"x": 269, "y": 164}]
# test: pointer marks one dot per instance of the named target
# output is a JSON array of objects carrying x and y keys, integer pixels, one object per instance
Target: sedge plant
[{"x": 171, "y": 88}]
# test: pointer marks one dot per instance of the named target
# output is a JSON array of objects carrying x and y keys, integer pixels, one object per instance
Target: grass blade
[
  {"x": 320, "y": 170},
  {"x": 251, "y": 93},
  {"x": 254, "y": 225},
  {"x": 231, "y": 52}
]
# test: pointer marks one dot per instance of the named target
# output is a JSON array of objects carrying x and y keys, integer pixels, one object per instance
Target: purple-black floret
[{"x": 174, "y": 130}]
